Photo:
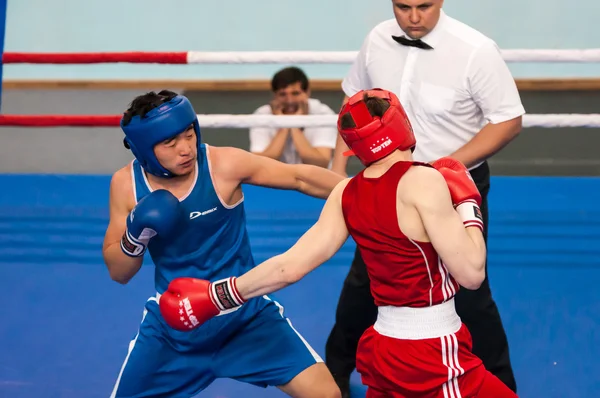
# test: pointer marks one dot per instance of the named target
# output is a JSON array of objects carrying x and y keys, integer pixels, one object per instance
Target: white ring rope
[
  {"x": 347, "y": 57},
  {"x": 550, "y": 120},
  {"x": 275, "y": 121}
]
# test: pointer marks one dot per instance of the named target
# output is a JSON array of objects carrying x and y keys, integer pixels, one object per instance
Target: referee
[{"x": 462, "y": 101}]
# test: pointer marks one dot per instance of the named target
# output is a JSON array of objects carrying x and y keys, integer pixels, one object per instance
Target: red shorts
[{"x": 442, "y": 367}]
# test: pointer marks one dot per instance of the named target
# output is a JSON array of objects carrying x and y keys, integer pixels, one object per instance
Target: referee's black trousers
[{"x": 356, "y": 312}]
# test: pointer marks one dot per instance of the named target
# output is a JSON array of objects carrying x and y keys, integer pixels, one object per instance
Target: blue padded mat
[{"x": 66, "y": 325}]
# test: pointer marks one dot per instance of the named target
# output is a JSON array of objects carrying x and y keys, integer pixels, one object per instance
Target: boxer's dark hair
[
  {"x": 287, "y": 76},
  {"x": 143, "y": 104},
  {"x": 376, "y": 106}
]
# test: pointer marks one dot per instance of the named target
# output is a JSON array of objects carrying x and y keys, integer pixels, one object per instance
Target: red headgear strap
[{"x": 373, "y": 137}]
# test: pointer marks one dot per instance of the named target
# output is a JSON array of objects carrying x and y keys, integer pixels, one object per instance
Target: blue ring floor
[{"x": 66, "y": 326}]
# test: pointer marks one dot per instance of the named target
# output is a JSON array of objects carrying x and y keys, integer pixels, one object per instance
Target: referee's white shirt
[{"x": 449, "y": 93}]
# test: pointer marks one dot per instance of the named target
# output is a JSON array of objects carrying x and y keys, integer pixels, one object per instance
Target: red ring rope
[
  {"x": 253, "y": 57},
  {"x": 95, "y": 58},
  {"x": 60, "y": 120}
]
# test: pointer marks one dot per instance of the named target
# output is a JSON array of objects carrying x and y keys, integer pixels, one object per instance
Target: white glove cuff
[
  {"x": 470, "y": 214},
  {"x": 225, "y": 294},
  {"x": 131, "y": 246}
]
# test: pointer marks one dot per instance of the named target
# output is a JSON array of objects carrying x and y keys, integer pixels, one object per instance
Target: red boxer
[{"x": 419, "y": 230}]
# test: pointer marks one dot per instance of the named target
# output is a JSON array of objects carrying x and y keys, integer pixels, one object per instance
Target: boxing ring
[{"x": 66, "y": 325}]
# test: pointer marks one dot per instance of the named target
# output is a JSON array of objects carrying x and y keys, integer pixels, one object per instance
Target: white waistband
[{"x": 418, "y": 323}]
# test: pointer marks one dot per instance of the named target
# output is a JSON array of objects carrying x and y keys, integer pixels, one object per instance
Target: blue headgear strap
[{"x": 161, "y": 123}]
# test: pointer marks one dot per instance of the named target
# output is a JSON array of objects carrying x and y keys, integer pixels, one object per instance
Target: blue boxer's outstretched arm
[{"x": 249, "y": 168}]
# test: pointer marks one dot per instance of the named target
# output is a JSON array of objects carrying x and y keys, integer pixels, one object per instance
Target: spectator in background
[{"x": 291, "y": 96}]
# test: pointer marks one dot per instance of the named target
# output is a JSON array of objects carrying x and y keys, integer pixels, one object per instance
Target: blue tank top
[{"x": 213, "y": 241}]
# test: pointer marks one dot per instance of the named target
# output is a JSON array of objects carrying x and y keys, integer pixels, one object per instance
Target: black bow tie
[{"x": 412, "y": 43}]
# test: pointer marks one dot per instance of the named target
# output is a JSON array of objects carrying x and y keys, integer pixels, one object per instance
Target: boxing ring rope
[
  {"x": 274, "y": 121},
  {"x": 268, "y": 57}
]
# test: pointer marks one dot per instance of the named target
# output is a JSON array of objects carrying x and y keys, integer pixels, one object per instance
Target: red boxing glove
[
  {"x": 463, "y": 191},
  {"x": 188, "y": 302}
]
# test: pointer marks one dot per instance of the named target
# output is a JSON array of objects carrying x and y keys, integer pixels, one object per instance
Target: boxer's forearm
[
  {"x": 469, "y": 272},
  {"x": 316, "y": 246},
  {"x": 270, "y": 276},
  {"x": 316, "y": 181},
  {"x": 478, "y": 250},
  {"x": 491, "y": 139},
  {"x": 121, "y": 267}
]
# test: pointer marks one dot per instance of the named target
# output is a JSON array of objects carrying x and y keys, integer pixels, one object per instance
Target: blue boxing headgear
[{"x": 161, "y": 123}]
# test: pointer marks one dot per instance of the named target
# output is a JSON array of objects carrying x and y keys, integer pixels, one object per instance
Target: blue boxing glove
[{"x": 156, "y": 214}]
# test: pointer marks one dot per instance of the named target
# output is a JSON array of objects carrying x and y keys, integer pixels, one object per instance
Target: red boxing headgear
[{"x": 373, "y": 137}]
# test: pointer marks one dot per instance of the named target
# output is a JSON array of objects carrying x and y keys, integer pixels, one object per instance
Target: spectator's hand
[
  {"x": 302, "y": 106},
  {"x": 276, "y": 107}
]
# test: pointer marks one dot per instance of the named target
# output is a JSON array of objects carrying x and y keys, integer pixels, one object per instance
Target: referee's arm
[
  {"x": 357, "y": 79},
  {"x": 340, "y": 162},
  {"x": 495, "y": 92},
  {"x": 490, "y": 139}
]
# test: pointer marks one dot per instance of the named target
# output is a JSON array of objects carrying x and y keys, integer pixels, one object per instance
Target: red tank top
[{"x": 403, "y": 272}]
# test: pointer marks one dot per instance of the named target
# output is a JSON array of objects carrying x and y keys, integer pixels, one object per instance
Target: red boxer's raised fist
[
  {"x": 189, "y": 302},
  {"x": 463, "y": 191},
  {"x": 459, "y": 180}
]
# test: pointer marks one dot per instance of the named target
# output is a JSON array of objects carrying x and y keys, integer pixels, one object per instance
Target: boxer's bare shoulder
[
  {"x": 224, "y": 161},
  {"x": 338, "y": 192},
  {"x": 121, "y": 202},
  {"x": 122, "y": 197},
  {"x": 417, "y": 189},
  {"x": 419, "y": 183}
]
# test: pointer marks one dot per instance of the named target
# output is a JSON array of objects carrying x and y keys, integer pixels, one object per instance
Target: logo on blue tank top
[{"x": 196, "y": 214}]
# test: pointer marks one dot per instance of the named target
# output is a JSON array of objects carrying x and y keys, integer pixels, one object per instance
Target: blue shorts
[{"x": 256, "y": 344}]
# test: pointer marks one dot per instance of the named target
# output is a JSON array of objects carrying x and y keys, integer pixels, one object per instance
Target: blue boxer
[{"x": 169, "y": 202}]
